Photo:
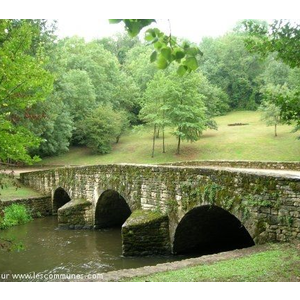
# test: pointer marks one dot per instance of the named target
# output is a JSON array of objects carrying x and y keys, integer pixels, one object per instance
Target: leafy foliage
[
  {"x": 281, "y": 37},
  {"x": 15, "y": 214},
  {"x": 179, "y": 102},
  {"x": 270, "y": 114},
  {"x": 52, "y": 91},
  {"x": 187, "y": 111},
  {"x": 23, "y": 82},
  {"x": 119, "y": 45},
  {"x": 228, "y": 65},
  {"x": 133, "y": 26},
  {"x": 156, "y": 100},
  {"x": 167, "y": 48},
  {"x": 155, "y": 106},
  {"x": 288, "y": 102},
  {"x": 138, "y": 66},
  {"x": 101, "y": 127}
]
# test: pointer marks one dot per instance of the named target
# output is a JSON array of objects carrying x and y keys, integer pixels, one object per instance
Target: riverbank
[{"x": 261, "y": 263}]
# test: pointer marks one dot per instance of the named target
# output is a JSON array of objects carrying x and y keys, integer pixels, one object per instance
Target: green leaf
[
  {"x": 150, "y": 35},
  {"x": 158, "y": 45},
  {"x": 181, "y": 70},
  {"x": 191, "y": 63},
  {"x": 179, "y": 54},
  {"x": 145, "y": 22},
  {"x": 114, "y": 21},
  {"x": 185, "y": 45},
  {"x": 166, "y": 53},
  {"x": 153, "y": 56},
  {"x": 133, "y": 28},
  {"x": 161, "y": 62},
  {"x": 157, "y": 32},
  {"x": 193, "y": 51}
]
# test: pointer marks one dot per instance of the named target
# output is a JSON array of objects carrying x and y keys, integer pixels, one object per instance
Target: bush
[{"x": 15, "y": 214}]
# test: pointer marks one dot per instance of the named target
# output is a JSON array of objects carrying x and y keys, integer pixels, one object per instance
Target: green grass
[
  {"x": 255, "y": 141},
  {"x": 12, "y": 189},
  {"x": 282, "y": 263}
]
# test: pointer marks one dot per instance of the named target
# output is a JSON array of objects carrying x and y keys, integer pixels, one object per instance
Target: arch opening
[
  {"x": 60, "y": 198},
  {"x": 111, "y": 210},
  {"x": 210, "y": 229}
]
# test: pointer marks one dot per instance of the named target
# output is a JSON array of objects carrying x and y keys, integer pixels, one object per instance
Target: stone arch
[
  {"x": 210, "y": 229},
  {"x": 60, "y": 198},
  {"x": 111, "y": 210}
]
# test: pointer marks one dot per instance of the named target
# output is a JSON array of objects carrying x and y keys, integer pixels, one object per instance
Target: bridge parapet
[{"x": 249, "y": 164}]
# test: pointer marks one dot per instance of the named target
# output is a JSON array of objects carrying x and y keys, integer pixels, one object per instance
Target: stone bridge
[{"x": 177, "y": 209}]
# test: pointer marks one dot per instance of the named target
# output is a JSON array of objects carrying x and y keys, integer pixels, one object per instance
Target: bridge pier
[
  {"x": 146, "y": 233},
  {"x": 76, "y": 215}
]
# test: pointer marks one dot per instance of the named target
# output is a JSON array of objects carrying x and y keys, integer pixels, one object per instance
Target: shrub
[{"x": 15, "y": 214}]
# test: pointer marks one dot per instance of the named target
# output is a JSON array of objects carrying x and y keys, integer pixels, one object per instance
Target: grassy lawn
[
  {"x": 281, "y": 263},
  {"x": 255, "y": 141},
  {"x": 12, "y": 189}
]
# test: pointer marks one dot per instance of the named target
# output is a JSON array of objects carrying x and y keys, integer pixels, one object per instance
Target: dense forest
[{"x": 55, "y": 93}]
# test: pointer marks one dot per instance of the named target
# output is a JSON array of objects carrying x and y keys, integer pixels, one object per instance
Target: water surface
[{"x": 52, "y": 250}]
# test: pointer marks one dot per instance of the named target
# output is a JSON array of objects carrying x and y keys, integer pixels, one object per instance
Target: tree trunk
[
  {"x": 157, "y": 134},
  {"x": 178, "y": 145},
  {"x": 163, "y": 136},
  {"x": 275, "y": 129},
  {"x": 153, "y": 143}
]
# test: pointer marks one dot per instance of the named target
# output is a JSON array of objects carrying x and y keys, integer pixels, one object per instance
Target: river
[{"x": 48, "y": 249}]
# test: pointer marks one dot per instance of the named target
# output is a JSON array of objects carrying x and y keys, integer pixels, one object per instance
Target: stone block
[
  {"x": 273, "y": 220},
  {"x": 146, "y": 233}
]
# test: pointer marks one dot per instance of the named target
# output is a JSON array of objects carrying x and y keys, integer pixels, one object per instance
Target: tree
[
  {"x": 215, "y": 99},
  {"x": 100, "y": 65},
  {"x": 138, "y": 66},
  {"x": 228, "y": 65},
  {"x": 288, "y": 102},
  {"x": 43, "y": 33},
  {"x": 127, "y": 97},
  {"x": 270, "y": 114},
  {"x": 119, "y": 45},
  {"x": 281, "y": 37},
  {"x": 186, "y": 109},
  {"x": 86, "y": 76},
  {"x": 155, "y": 105},
  {"x": 276, "y": 72},
  {"x": 100, "y": 128},
  {"x": 23, "y": 82},
  {"x": 122, "y": 123},
  {"x": 77, "y": 92},
  {"x": 51, "y": 121}
]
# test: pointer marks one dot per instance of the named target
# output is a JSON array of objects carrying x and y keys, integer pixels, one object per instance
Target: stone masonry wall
[
  {"x": 274, "y": 165},
  {"x": 146, "y": 233},
  {"x": 268, "y": 206},
  {"x": 75, "y": 215},
  {"x": 40, "y": 206}
]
